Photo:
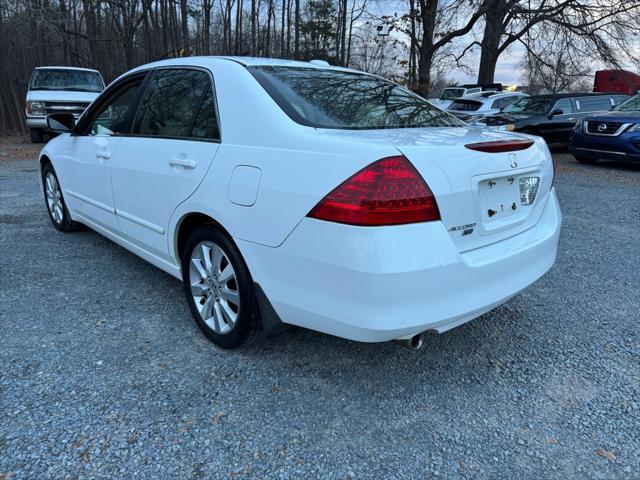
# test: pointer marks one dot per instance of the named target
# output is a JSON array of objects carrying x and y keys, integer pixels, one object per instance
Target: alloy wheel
[
  {"x": 214, "y": 287},
  {"x": 54, "y": 198}
]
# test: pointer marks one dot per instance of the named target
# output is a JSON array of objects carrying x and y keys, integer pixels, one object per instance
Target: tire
[
  {"x": 37, "y": 135},
  {"x": 586, "y": 160},
  {"x": 214, "y": 300},
  {"x": 56, "y": 206}
]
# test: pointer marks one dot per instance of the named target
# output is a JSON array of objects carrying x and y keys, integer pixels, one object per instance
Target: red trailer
[{"x": 616, "y": 81}]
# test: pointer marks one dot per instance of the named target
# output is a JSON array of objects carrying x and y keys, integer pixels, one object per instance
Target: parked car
[
  {"x": 613, "y": 135},
  {"x": 449, "y": 94},
  {"x": 553, "y": 116},
  {"x": 619, "y": 81},
  {"x": 336, "y": 202},
  {"x": 59, "y": 89},
  {"x": 478, "y": 105}
]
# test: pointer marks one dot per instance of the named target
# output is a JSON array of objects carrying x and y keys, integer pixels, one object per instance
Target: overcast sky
[{"x": 508, "y": 70}]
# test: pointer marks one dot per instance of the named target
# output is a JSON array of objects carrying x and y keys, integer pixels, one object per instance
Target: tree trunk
[
  {"x": 428, "y": 10},
  {"x": 254, "y": 15},
  {"x": 489, "y": 50},
  {"x": 412, "y": 48},
  {"x": 206, "y": 26},
  {"x": 282, "y": 26},
  {"x": 239, "y": 28},
  {"x": 184, "y": 14},
  {"x": 297, "y": 34},
  {"x": 268, "y": 39},
  {"x": 343, "y": 31}
]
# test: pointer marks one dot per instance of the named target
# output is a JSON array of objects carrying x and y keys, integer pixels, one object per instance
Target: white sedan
[
  {"x": 479, "y": 105},
  {"x": 286, "y": 192}
]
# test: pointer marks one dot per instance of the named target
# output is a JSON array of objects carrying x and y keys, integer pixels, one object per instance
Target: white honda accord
[{"x": 285, "y": 192}]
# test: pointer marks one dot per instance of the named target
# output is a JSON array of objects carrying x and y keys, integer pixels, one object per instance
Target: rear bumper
[
  {"x": 624, "y": 147},
  {"x": 379, "y": 284}
]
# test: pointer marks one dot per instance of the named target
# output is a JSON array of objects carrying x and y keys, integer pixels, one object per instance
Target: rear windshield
[
  {"x": 64, "y": 79},
  {"x": 531, "y": 106},
  {"x": 346, "y": 100},
  {"x": 465, "y": 105}
]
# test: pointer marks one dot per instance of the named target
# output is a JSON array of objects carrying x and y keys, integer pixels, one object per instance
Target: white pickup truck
[{"x": 58, "y": 90}]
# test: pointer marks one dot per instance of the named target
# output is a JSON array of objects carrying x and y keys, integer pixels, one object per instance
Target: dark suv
[
  {"x": 552, "y": 116},
  {"x": 613, "y": 135}
]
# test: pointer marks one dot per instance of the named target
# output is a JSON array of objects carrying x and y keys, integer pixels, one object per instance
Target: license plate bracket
[{"x": 499, "y": 198}]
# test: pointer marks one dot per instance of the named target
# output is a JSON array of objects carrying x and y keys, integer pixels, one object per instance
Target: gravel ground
[{"x": 104, "y": 374}]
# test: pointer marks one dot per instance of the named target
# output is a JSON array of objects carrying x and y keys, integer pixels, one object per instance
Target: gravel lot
[{"x": 105, "y": 375}]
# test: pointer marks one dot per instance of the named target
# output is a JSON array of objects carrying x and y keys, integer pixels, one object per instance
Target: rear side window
[
  {"x": 205, "y": 125},
  {"x": 465, "y": 105},
  {"x": 593, "y": 104},
  {"x": 171, "y": 103}
]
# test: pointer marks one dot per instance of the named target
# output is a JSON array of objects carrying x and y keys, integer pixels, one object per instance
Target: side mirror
[
  {"x": 557, "y": 111},
  {"x": 61, "y": 122}
]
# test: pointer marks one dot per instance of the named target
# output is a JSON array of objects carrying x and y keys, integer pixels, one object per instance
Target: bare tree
[{"x": 607, "y": 25}]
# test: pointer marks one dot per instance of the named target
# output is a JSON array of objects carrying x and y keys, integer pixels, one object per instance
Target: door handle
[
  {"x": 105, "y": 155},
  {"x": 182, "y": 161}
]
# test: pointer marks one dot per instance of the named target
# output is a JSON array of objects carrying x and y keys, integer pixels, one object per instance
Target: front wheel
[
  {"x": 57, "y": 209},
  {"x": 36, "y": 135},
  {"x": 219, "y": 288}
]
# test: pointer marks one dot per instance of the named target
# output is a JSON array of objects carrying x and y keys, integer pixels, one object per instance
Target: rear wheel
[
  {"x": 586, "y": 160},
  {"x": 57, "y": 209},
  {"x": 219, "y": 288},
  {"x": 37, "y": 135}
]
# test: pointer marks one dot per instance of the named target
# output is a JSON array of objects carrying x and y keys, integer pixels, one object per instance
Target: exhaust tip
[{"x": 413, "y": 343}]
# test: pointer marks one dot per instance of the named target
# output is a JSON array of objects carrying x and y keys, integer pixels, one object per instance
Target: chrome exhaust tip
[{"x": 413, "y": 343}]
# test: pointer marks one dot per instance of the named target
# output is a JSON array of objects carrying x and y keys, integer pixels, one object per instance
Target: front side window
[
  {"x": 593, "y": 104},
  {"x": 346, "y": 100},
  {"x": 114, "y": 117},
  {"x": 531, "y": 106},
  {"x": 564, "y": 105},
  {"x": 631, "y": 105},
  {"x": 66, "y": 79},
  {"x": 170, "y": 103}
]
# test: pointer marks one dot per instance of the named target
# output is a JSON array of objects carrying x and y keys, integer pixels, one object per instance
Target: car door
[
  {"x": 558, "y": 128},
  {"x": 85, "y": 166},
  {"x": 174, "y": 138}
]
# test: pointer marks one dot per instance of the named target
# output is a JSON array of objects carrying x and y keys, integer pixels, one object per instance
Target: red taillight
[
  {"x": 500, "y": 146},
  {"x": 387, "y": 192}
]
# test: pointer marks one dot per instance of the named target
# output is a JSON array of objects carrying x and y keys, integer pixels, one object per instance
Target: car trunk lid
[{"x": 479, "y": 193}]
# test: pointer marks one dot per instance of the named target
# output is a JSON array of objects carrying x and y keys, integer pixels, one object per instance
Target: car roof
[
  {"x": 557, "y": 96},
  {"x": 250, "y": 62},
  {"x": 488, "y": 94},
  {"x": 52, "y": 67}
]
